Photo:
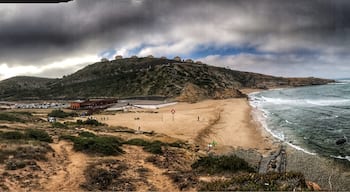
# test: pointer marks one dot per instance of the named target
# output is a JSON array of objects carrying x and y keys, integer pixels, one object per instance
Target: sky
[{"x": 294, "y": 38}]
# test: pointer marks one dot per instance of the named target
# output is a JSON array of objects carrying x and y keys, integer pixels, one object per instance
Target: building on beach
[
  {"x": 189, "y": 61},
  {"x": 92, "y": 104},
  {"x": 104, "y": 60},
  {"x": 177, "y": 58},
  {"x": 118, "y": 57}
]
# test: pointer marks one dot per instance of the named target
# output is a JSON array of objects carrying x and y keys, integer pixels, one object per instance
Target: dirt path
[
  {"x": 136, "y": 157},
  {"x": 68, "y": 169}
]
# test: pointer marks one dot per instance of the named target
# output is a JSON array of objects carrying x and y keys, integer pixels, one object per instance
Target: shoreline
[
  {"x": 231, "y": 123},
  {"x": 325, "y": 171}
]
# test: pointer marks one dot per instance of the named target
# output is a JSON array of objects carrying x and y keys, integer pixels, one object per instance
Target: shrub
[
  {"x": 86, "y": 134},
  {"x": 58, "y": 125},
  {"x": 101, "y": 178},
  {"x": 219, "y": 164},
  {"x": 137, "y": 141},
  {"x": 92, "y": 122},
  {"x": 10, "y": 117},
  {"x": 154, "y": 147},
  {"x": 4, "y": 154},
  {"x": 39, "y": 135},
  {"x": 96, "y": 144},
  {"x": 13, "y": 135},
  {"x": 14, "y": 165},
  {"x": 61, "y": 114}
]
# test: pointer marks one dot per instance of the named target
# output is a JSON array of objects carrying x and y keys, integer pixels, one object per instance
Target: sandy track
[
  {"x": 136, "y": 157},
  {"x": 69, "y": 167}
]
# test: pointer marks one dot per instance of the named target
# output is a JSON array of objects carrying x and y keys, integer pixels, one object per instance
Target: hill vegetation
[{"x": 144, "y": 77}]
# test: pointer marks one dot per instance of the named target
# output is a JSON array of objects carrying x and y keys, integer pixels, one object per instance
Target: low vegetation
[
  {"x": 11, "y": 117},
  {"x": 61, "y": 114},
  {"x": 91, "y": 122},
  {"x": 90, "y": 143},
  {"x": 154, "y": 147},
  {"x": 98, "y": 177},
  {"x": 220, "y": 164},
  {"x": 29, "y": 134},
  {"x": 59, "y": 125},
  {"x": 38, "y": 134},
  {"x": 272, "y": 181}
]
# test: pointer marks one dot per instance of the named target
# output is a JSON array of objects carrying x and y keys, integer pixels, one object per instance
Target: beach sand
[
  {"x": 232, "y": 125},
  {"x": 227, "y": 122}
]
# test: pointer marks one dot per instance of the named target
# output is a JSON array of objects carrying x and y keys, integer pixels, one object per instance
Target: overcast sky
[{"x": 278, "y": 37}]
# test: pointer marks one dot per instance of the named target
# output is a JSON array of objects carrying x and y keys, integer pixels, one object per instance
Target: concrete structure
[
  {"x": 150, "y": 56},
  {"x": 199, "y": 62},
  {"x": 177, "y": 58},
  {"x": 133, "y": 57},
  {"x": 104, "y": 60},
  {"x": 124, "y": 105},
  {"x": 189, "y": 61},
  {"x": 118, "y": 57}
]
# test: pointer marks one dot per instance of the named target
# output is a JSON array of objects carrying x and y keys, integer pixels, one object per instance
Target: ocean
[{"x": 311, "y": 119}]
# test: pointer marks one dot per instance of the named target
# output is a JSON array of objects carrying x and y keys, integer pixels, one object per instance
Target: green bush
[
  {"x": 92, "y": 122},
  {"x": 39, "y": 135},
  {"x": 86, "y": 134},
  {"x": 154, "y": 147},
  {"x": 61, "y": 114},
  {"x": 96, "y": 144},
  {"x": 12, "y": 135},
  {"x": 219, "y": 164},
  {"x": 10, "y": 117},
  {"x": 58, "y": 125},
  {"x": 137, "y": 141}
]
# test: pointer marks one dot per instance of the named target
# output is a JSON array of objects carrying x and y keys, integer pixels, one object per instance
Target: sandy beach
[{"x": 227, "y": 122}]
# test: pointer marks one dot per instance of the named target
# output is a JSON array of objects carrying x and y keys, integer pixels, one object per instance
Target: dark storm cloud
[{"x": 41, "y": 34}]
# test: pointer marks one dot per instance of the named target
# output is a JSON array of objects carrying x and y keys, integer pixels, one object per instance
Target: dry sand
[{"x": 228, "y": 122}]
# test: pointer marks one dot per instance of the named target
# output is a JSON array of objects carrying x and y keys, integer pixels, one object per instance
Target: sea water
[{"x": 310, "y": 118}]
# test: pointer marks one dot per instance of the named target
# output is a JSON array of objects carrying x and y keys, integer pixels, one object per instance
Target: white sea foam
[
  {"x": 300, "y": 149},
  {"x": 302, "y": 102},
  {"x": 288, "y": 121},
  {"x": 340, "y": 157},
  {"x": 261, "y": 115}
]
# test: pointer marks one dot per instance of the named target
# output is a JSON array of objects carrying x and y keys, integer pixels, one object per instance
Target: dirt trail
[
  {"x": 136, "y": 156},
  {"x": 69, "y": 169}
]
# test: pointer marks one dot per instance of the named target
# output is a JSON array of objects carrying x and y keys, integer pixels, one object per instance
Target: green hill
[{"x": 143, "y": 77}]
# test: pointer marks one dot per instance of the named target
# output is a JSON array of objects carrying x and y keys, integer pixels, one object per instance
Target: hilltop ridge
[{"x": 185, "y": 81}]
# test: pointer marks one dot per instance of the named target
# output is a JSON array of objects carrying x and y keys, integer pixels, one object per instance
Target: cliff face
[{"x": 148, "y": 76}]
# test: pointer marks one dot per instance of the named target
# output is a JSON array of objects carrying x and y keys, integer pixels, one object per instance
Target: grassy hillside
[
  {"x": 24, "y": 87},
  {"x": 146, "y": 76}
]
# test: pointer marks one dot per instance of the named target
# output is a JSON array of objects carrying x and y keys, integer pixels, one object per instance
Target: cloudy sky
[{"x": 283, "y": 38}]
